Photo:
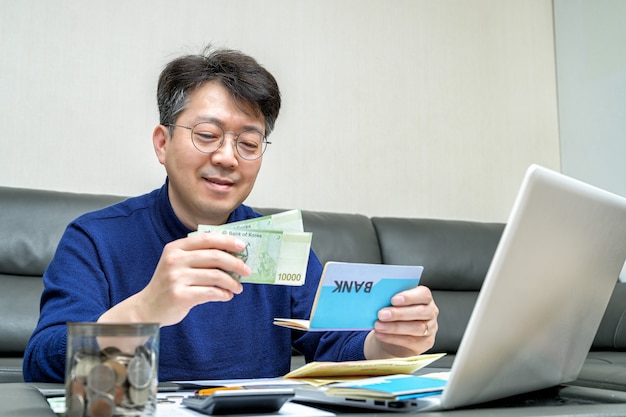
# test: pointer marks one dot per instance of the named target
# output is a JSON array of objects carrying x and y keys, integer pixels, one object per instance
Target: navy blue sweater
[{"x": 110, "y": 254}]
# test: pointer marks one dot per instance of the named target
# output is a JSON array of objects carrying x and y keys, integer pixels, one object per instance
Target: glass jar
[{"x": 111, "y": 369}]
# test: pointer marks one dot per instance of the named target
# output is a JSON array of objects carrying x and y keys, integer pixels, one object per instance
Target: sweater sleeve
[
  {"x": 75, "y": 290},
  {"x": 322, "y": 346}
]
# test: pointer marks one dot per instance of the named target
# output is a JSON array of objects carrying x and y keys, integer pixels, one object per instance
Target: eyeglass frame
[{"x": 264, "y": 140}]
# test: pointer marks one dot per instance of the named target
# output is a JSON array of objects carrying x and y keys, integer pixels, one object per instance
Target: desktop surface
[{"x": 26, "y": 400}]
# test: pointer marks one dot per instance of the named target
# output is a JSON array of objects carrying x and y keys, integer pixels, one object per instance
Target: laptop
[{"x": 542, "y": 299}]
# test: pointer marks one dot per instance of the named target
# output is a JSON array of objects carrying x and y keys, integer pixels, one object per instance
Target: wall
[
  {"x": 591, "y": 56},
  {"x": 590, "y": 41},
  {"x": 399, "y": 108}
]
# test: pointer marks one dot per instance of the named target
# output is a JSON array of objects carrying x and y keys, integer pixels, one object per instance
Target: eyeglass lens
[{"x": 208, "y": 137}]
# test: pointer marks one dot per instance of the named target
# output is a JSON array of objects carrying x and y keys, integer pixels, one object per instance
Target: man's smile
[{"x": 219, "y": 182}]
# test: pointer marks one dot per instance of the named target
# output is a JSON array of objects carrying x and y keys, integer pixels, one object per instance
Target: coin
[
  {"x": 101, "y": 407},
  {"x": 102, "y": 378},
  {"x": 75, "y": 406},
  {"x": 139, "y": 396},
  {"x": 119, "y": 369},
  {"x": 119, "y": 394},
  {"x": 84, "y": 362},
  {"x": 142, "y": 350},
  {"x": 139, "y": 372},
  {"x": 111, "y": 351},
  {"x": 78, "y": 387}
]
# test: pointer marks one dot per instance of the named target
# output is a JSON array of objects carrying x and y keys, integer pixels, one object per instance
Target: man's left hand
[{"x": 406, "y": 328}]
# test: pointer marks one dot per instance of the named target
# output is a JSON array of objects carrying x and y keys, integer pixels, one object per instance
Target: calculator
[{"x": 241, "y": 401}]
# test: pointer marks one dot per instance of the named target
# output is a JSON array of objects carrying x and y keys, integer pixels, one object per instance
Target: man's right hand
[{"x": 192, "y": 271}]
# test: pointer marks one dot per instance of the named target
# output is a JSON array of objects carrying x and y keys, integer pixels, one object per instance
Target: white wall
[
  {"x": 400, "y": 108},
  {"x": 591, "y": 66}
]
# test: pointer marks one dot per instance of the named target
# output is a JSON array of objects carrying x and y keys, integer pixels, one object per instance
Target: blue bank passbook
[
  {"x": 391, "y": 387},
  {"x": 350, "y": 295}
]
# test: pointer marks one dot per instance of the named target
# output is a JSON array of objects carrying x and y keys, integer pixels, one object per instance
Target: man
[{"x": 134, "y": 261}]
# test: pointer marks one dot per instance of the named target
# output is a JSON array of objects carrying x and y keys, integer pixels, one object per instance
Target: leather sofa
[{"x": 455, "y": 256}]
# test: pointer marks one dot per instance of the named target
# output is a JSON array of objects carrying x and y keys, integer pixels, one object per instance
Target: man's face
[{"x": 206, "y": 188}]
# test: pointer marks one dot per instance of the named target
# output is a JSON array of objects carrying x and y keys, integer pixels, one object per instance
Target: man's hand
[
  {"x": 191, "y": 271},
  {"x": 406, "y": 328}
]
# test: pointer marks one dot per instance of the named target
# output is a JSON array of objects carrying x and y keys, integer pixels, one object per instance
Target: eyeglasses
[{"x": 208, "y": 137}]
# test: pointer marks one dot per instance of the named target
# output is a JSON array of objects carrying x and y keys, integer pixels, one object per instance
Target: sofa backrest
[
  {"x": 31, "y": 225},
  {"x": 455, "y": 256}
]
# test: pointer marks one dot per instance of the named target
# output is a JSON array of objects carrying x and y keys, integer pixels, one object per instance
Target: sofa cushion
[
  {"x": 11, "y": 370},
  {"x": 455, "y": 308},
  {"x": 33, "y": 222},
  {"x": 31, "y": 227},
  {"x": 455, "y": 254},
  {"x": 19, "y": 299},
  {"x": 611, "y": 334}
]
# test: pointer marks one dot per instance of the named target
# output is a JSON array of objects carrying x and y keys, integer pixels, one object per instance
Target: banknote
[
  {"x": 277, "y": 249},
  {"x": 274, "y": 256},
  {"x": 286, "y": 221}
]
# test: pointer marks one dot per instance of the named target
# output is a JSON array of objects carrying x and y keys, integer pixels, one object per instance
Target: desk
[{"x": 28, "y": 400}]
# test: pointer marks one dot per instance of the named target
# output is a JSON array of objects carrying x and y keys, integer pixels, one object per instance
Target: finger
[
  {"x": 205, "y": 240},
  {"x": 408, "y": 313},
  {"x": 210, "y": 250},
  {"x": 200, "y": 294},
  {"x": 214, "y": 278},
  {"x": 417, "y": 295},
  {"x": 218, "y": 259},
  {"x": 415, "y": 328}
]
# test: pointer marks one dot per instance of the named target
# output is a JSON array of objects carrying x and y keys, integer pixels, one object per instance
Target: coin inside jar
[
  {"x": 119, "y": 369},
  {"x": 75, "y": 406},
  {"x": 111, "y": 352},
  {"x": 102, "y": 378},
  {"x": 139, "y": 372},
  {"x": 78, "y": 387},
  {"x": 139, "y": 396},
  {"x": 118, "y": 395},
  {"x": 102, "y": 360},
  {"x": 101, "y": 407},
  {"x": 84, "y": 362}
]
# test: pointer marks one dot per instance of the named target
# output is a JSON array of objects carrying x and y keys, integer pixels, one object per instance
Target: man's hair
[{"x": 249, "y": 83}]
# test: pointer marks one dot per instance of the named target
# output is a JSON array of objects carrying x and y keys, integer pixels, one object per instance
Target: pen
[{"x": 209, "y": 391}]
